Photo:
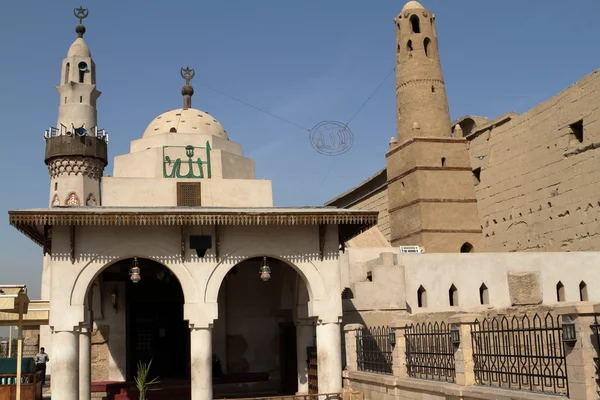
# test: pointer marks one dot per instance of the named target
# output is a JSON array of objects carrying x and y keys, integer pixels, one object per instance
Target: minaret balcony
[{"x": 76, "y": 146}]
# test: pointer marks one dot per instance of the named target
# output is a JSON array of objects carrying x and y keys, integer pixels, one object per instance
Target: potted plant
[{"x": 141, "y": 380}]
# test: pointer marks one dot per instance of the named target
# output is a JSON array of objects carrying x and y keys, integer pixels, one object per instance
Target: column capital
[
  {"x": 464, "y": 319},
  {"x": 581, "y": 308},
  {"x": 353, "y": 327}
]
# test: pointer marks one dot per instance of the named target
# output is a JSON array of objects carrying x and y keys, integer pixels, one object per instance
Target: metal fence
[
  {"x": 429, "y": 352},
  {"x": 374, "y": 350},
  {"x": 521, "y": 353}
]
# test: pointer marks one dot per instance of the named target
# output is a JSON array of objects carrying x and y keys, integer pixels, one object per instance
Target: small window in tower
[
  {"x": 67, "y": 71},
  {"x": 577, "y": 132},
  {"x": 414, "y": 22},
  {"x": 466, "y": 248},
  {"x": 426, "y": 46},
  {"x": 432, "y": 89},
  {"x": 173, "y": 130},
  {"x": 65, "y": 99},
  {"x": 409, "y": 46},
  {"x": 81, "y": 76},
  {"x": 477, "y": 175},
  {"x": 398, "y": 49},
  {"x": 443, "y": 161},
  {"x": 55, "y": 186},
  {"x": 81, "y": 99}
]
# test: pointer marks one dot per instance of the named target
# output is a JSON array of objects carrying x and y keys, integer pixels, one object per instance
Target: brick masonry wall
[
  {"x": 540, "y": 186},
  {"x": 377, "y": 202}
]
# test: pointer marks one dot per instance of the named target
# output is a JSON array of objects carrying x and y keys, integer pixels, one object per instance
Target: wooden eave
[{"x": 32, "y": 222}]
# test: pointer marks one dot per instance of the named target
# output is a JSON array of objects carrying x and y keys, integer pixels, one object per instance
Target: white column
[
  {"x": 201, "y": 363},
  {"x": 329, "y": 357},
  {"x": 85, "y": 363},
  {"x": 304, "y": 339},
  {"x": 65, "y": 360}
]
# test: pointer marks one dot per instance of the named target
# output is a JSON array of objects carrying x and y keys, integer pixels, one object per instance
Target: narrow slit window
[
  {"x": 484, "y": 294},
  {"x": 67, "y": 72},
  {"x": 409, "y": 46},
  {"x": 421, "y": 297},
  {"x": 443, "y": 161},
  {"x": 560, "y": 292},
  {"x": 453, "y": 296},
  {"x": 81, "y": 76},
  {"x": 583, "y": 292}
]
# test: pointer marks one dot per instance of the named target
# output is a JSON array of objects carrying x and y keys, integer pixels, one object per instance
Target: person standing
[{"x": 41, "y": 359}]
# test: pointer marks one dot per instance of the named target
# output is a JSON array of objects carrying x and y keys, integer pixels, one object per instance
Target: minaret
[
  {"x": 431, "y": 195},
  {"x": 76, "y": 150}
]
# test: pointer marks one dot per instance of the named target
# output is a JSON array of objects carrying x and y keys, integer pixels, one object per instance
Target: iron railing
[
  {"x": 521, "y": 353},
  {"x": 429, "y": 352},
  {"x": 374, "y": 350}
]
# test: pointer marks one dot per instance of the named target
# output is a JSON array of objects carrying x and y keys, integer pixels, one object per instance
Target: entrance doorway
[
  {"x": 154, "y": 326},
  {"x": 255, "y": 335}
]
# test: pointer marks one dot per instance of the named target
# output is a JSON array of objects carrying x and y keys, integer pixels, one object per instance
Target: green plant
[{"x": 141, "y": 380}]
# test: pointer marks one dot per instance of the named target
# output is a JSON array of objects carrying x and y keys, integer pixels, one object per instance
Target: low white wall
[{"x": 467, "y": 271}]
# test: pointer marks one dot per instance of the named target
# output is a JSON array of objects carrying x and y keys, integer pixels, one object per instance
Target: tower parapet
[{"x": 76, "y": 149}]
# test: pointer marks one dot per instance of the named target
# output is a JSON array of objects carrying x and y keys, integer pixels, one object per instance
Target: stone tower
[
  {"x": 430, "y": 183},
  {"x": 76, "y": 150}
]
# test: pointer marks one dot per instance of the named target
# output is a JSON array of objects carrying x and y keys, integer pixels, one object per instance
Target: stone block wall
[
  {"x": 539, "y": 187},
  {"x": 378, "y": 202}
]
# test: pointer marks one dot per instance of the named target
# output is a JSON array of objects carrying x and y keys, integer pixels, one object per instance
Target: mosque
[{"x": 180, "y": 257}]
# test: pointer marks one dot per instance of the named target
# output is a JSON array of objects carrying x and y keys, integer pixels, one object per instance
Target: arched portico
[{"x": 90, "y": 271}]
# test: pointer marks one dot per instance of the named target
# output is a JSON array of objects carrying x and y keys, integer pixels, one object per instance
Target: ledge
[{"x": 443, "y": 388}]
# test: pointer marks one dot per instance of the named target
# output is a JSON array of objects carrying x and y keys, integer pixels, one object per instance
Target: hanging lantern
[
  {"x": 265, "y": 271},
  {"x": 134, "y": 272}
]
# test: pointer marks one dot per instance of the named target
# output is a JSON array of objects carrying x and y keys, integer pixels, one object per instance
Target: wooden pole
[{"x": 19, "y": 350}]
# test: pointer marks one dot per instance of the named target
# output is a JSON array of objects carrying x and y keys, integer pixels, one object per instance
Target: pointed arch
[
  {"x": 453, "y": 296},
  {"x": 67, "y": 73},
  {"x": 426, "y": 44},
  {"x": 583, "y": 292},
  {"x": 421, "y": 297},
  {"x": 484, "y": 294},
  {"x": 560, "y": 292}
]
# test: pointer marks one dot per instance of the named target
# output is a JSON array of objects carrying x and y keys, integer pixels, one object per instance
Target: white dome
[
  {"x": 187, "y": 121},
  {"x": 79, "y": 48}
]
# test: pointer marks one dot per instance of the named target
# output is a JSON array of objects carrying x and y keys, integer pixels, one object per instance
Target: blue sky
[{"x": 305, "y": 61}]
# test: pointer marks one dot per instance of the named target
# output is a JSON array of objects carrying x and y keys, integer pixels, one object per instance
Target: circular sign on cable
[{"x": 331, "y": 138}]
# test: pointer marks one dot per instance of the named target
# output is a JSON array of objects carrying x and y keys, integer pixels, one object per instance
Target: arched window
[
  {"x": 414, "y": 23},
  {"x": 466, "y": 248},
  {"x": 484, "y": 295},
  {"x": 426, "y": 43},
  {"x": 67, "y": 72},
  {"x": 422, "y": 297},
  {"x": 443, "y": 161},
  {"x": 453, "y": 296},
  {"x": 583, "y": 292},
  {"x": 173, "y": 130},
  {"x": 560, "y": 292}
]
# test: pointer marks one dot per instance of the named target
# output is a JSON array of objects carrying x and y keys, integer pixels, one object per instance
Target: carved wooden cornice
[{"x": 32, "y": 222}]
